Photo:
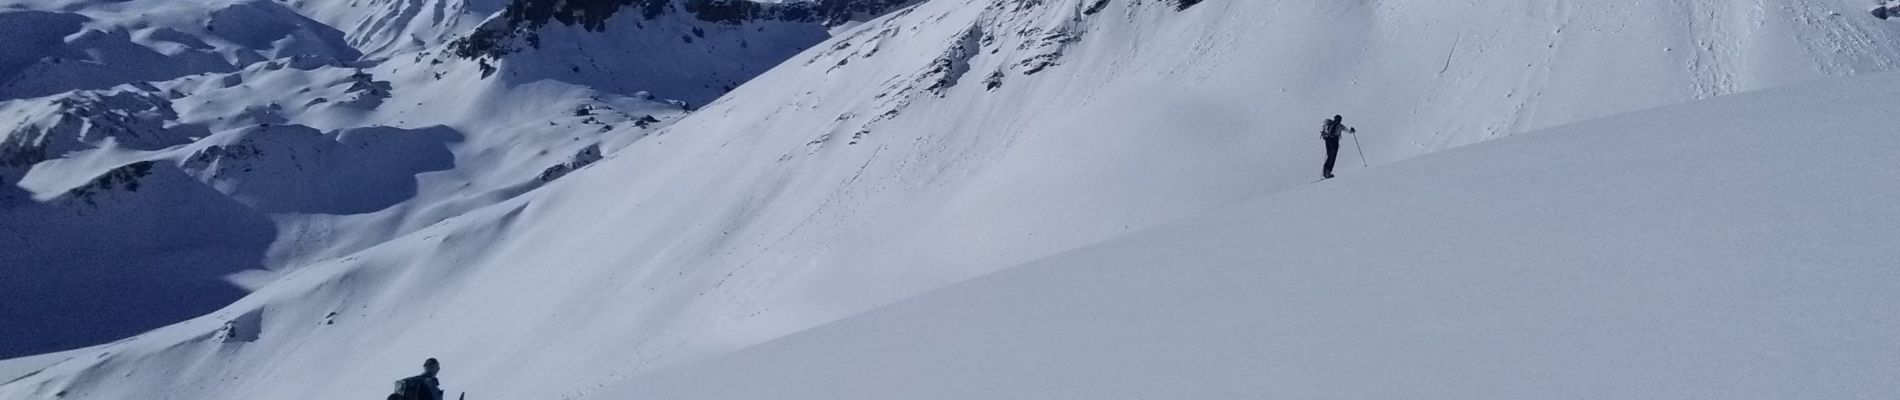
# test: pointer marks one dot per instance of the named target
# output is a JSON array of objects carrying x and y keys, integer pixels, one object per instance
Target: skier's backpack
[
  {"x": 1330, "y": 131},
  {"x": 410, "y": 388}
]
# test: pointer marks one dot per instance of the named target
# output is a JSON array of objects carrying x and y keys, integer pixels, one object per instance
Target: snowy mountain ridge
[
  {"x": 658, "y": 44},
  {"x": 57, "y": 46},
  {"x": 276, "y": 157},
  {"x": 278, "y": 154}
]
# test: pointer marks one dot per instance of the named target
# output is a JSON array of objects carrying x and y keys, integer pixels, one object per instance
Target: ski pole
[{"x": 1357, "y": 146}]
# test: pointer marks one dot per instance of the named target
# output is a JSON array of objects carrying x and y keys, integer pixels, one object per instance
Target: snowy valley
[
  {"x": 165, "y": 194},
  {"x": 947, "y": 199}
]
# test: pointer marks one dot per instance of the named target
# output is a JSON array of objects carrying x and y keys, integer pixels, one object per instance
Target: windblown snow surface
[
  {"x": 1736, "y": 248},
  {"x": 959, "y": 138}
]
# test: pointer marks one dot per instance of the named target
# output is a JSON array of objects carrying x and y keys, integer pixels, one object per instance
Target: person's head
[
  {"x": 1337, "y": 118},
  {"x": 430, "y": 367}
]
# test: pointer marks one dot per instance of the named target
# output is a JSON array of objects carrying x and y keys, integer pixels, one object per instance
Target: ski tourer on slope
[
  {"x": 420, "y": 387},
  {"x": 1330, "y": 131},
  {"x": 1887, "y": 9}
]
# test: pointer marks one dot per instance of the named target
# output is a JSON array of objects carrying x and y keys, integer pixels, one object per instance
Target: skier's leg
[{"x": 1332, "y": 154}]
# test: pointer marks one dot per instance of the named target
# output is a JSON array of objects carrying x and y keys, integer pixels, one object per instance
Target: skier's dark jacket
[{"x": 1331, "y": 130}]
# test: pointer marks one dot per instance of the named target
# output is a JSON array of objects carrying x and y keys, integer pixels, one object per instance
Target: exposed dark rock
[
  {"x": 20, "y": 153},
  {"x": 523, "y": 18},
  {"x": 645, "y": 121},
  {"x": 582, "y": 159},
  {"x": 949, "y": 68},
  {"x": 837, "y": 12},
  {"x": 124, "y": 177}
]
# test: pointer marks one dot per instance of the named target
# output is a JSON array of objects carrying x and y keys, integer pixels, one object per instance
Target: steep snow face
[
  {"x": 962, "y": 137},
  {"x": 941, "y": 143},
  {"x": 57, "y": 46},
  {"x": 1738, "y": 256}
]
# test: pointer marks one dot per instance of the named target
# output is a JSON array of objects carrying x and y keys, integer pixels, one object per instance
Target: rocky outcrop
[
  {"x": 582, "y": 159},
  {"x": 524, "y": 18}
]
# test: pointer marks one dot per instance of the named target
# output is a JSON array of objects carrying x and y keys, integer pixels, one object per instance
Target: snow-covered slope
[
  {"x": 14, "y": 368},
  {"x": 393, "y": 28},
  {"x": 159, "y": 202},
  {"x": 691, "y": 50},
  {"x": 284, "y": 161},
  {"x": 925, "y": 148},
  {"x": 1738, "y": 248},
  {"x": 149, "y": 200}
]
